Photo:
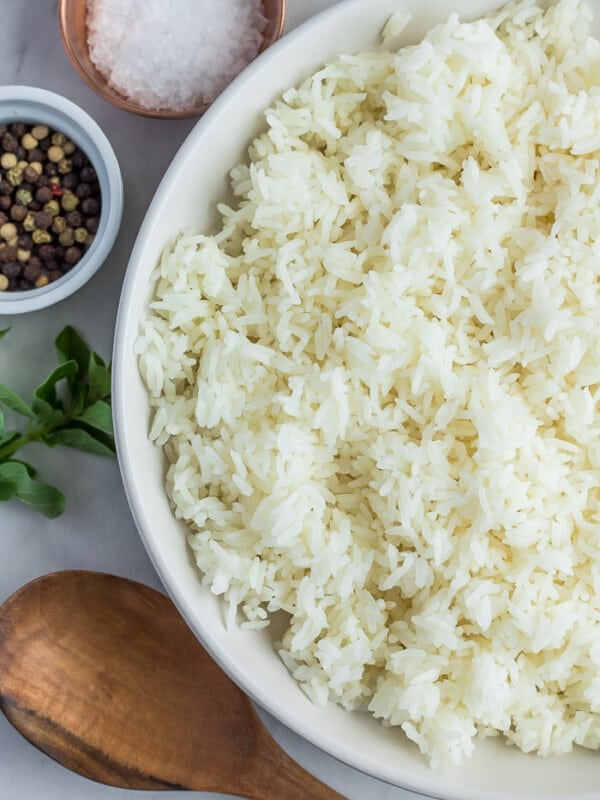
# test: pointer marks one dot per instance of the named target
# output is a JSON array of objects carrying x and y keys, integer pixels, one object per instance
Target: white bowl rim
[{"x": 33, "y": 299}]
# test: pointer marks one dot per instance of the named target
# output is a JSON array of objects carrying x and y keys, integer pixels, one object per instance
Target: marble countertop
[{"x": 96, "y": 531}]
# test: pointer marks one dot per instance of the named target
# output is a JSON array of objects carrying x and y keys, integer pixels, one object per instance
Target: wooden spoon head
[{"x": 103, "y": 675}]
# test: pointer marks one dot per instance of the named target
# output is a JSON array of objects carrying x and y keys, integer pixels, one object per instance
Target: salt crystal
[{"x": 173, "y": 54}]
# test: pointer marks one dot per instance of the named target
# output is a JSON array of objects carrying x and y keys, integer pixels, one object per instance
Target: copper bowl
[{"x": 73, "y": 29}]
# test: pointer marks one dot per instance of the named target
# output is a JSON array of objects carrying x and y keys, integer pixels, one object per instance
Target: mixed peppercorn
[{"x": 49, "y": 205}]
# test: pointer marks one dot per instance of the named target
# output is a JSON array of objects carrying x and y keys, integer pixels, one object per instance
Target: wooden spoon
[{"x": 103, "y": 675}]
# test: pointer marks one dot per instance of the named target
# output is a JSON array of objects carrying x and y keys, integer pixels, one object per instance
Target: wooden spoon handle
[{"x": 275, "y": 776}]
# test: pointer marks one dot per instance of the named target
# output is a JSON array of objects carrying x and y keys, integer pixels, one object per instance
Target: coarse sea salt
[{"x": 173, "y": 54}]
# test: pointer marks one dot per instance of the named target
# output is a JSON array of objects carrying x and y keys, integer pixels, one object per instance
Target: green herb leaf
[
  {"x": 99, "y": 379},
  {"x": 12, "y": 400},
  {"x": 16, "y": 481},
  {"x": 71, "y": 408},
  {"x": 71, "y": 347},
  {"x": 46, "y": 404},
  {"x": 80, "y": 439},
  {"x": 47, "y": 390},
  {"x": 7, "y": 438},
  {"x": 98, "y": 416},
  {"x": 4, "y": 332}
]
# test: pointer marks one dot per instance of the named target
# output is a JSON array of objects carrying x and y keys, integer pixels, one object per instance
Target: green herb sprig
[{"x": 72, "y": 407}]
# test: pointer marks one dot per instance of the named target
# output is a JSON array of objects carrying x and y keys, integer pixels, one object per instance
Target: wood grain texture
[{"x": 103, "y": 675}]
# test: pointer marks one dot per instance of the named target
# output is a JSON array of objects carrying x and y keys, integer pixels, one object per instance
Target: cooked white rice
[{"x": 378, "y": 384}]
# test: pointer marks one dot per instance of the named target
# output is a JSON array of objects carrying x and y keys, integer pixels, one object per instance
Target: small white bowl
[{"x": 30, "y": 104}]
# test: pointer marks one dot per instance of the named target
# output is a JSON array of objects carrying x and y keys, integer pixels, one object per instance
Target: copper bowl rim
[{"x": 116, "y": 99}]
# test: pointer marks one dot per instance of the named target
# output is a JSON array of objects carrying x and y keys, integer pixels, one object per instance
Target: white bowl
[
  {"x": 196, "y": 180},
  {"x": 30, "y": 104}
]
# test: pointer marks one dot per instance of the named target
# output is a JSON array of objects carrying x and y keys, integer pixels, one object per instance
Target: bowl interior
[
  {"x": 30, "y": 104},
  {"x": 196, "y": 180},
  {"x": 72, "y": 18}
]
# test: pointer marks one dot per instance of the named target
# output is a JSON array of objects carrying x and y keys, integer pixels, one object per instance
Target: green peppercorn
[
  {"x": 29, "y": 223},
  {"x": 52, "y": 207},
  {"x": 14, "y": 175},
  {"x": 58, "y": 139},
  {"x": 69, "y": 201},
  {"x": 66, "y": 237},
  {"x": 80, "y": 235},
  {"x": 65, "y": 165},
  {"x": 59, "y": 224},
  {"x": 24, "y": 197},
  {"x": 41, "y": 237}
]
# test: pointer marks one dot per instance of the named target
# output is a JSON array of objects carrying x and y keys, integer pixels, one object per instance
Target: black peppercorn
[
  {"x": 7, "y": 254},
  {"x": 46, "y": 252},
  {"x": 35, "y": 155},
  {"x": 90, "y": 206},
  {"x": 74, "y": 219},
  {"x": 32, "y": 270},
  {"x": 18, "y": 129},
  {"x": 9, "y": 143},
  {"x": 44, "y": 194},
  {"x": 83, "y": 190},
  {"x": 5, "y": 202},
  {"x": 12, "y": 269},
  {"x": 18, "y": 213},
  {"x": 72, "y": 255},
  {"x": 88, "y": 174},
  {"x": 43, "y": 220},
  {"x": 70, "y": 181},
  {"x": 51, "y": 169},
  {"x": 30, "y": 174},
  {"x": 5, "y": 188},
  {"x": 91, "y": 224},
  {"x": 78, "y": 160}
]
